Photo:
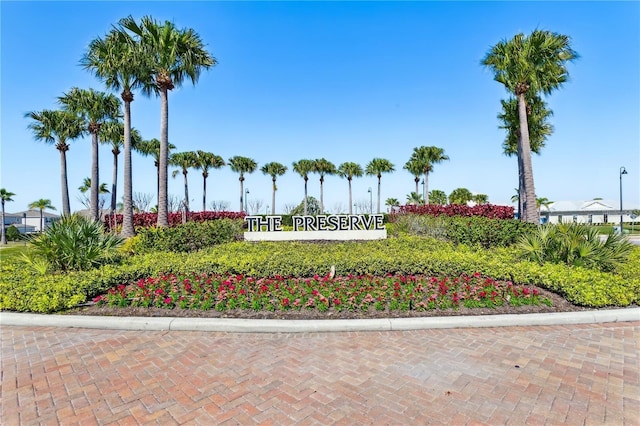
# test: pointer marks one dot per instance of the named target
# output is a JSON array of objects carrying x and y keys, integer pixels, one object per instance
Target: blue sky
[{"x": 347, "y": 81}]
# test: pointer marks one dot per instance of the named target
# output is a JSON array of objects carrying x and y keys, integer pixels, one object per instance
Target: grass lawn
[{"x": 12, "y": 249}]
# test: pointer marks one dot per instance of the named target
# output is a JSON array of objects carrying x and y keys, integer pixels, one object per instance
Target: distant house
[
  {"x": 595, "y": 212},
  {"x": 29, "y": 221}
]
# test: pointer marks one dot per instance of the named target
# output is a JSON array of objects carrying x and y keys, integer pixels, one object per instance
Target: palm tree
[
  {"x": 151, "y": 148},
  {"x": 274, "y": 170},
  {"x": 303, "y": 168},
  {"x": 118, "y": 60},
  {"x": 391, "y": 203},
  {"x": 415, "y": 199},
  {"x": 57, "y": 127},
  {"x": 413, "y": 167},
  {"x": 540, "y": 202},
  {"x": 205, "y": 161},
  {"x": 424, "y": 158},
  {"x": 480, "y": 198},
  {"x": 437, "y": 196},
  {"x": 184, "y": 160},
  {"x": 323, "y": 167},
  {"x": 86, "y": 186},
  {"x": 530, "y": 65},
  {"x": 95, "y": 108},
  {"x": 4, "y": 196},
  {"x": 112, "y": 132},
  {"x": 242, "y": 165},
  {"x": 175, "y": 54},
  {"x": 376, "y": 167},
  {"x": 460, "y": 196},
  {"x": 539, "y": 131},
  {"x": 349, "y": 170},
  {"x": 41, "y": 205}
]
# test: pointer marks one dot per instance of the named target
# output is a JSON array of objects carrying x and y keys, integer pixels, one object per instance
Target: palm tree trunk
[
  {"x": 127, "y": 197},
  {"x": 379, "y": 185},
  {"x": 417, "y": 179},
  {"x": 3, "y": 239},
  {"x": 186, "y": 193},
  {"x": 241, "y": 194},
  {"x": 305, "y": 195},
  {"x": 41, "y": 221},
  {"x": 529, "y": 205},
  {"x": 273, "y": 197},
  {"x": 204, "y": 192},
  {"x": 321, "y": 195},
  {"x": 163, "y": 217},
  {"x": 95, "y": 179},
  {"x": 425, "y": 189},
  {"x": 350, "y": 198},
  {"x": 114, "y": 182},
  {"x": 66, "y": 206},
  {"x": 521, "y": 188}
]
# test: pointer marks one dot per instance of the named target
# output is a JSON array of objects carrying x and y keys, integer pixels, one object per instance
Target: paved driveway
[{"x": 567, "y": 374}]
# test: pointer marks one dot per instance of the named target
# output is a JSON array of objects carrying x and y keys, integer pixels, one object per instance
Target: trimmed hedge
[
  {"x": 148, "y": 220},
  {"x": 485, "y": 210},
  {"x": 21, "y": 290}
]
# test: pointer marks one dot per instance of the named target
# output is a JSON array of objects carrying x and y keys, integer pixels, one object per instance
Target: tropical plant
[
  {"x": 4, "y": 197},
  {"x": 86, "y": 186},
  {"x": 184, "y": 160},
  {"x": 274, "y": 170},
  {"x": 575, "y": 244},
  {"x": 57, "y": 127},
  {"x": 205, "y": 161},
  {"x": 242, "y": 165},
  {"x": 526, "y": 66},
  {"x": 377, "y": 167},
  {"x": 309, "y": 206},
  {"x": 303, "y": 168},
  {"x": 94, "y": 108},
  {"x": 42, "y": 204},
  {"x": 543, "y": 202},
  {"x": 323, "y": 167},
  {"x": 151, "y": 148},
  {"x": 423, "y": 159},
  {"x": 349, "y": 170},
  {"x": 539, "y": 130},
  {"x": 413, "y": 167},
  {"x": 392, "y": 203},
  {"x": 480, "y": 198},
  {"x": 460, "y": 196},
  {"x": 174, "y": 55},
  {"x": 119, "y": 62},
  {"x": 75, "y": 243},
  {"x": 414, "y": 199},
  {"x": 437, "y": 196}
]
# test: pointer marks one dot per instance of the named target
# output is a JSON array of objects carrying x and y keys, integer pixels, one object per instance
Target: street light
[
  {"x": 623, "y": 171},
  {"x": 370, "y": 201},
  {"x": 246, "y": 195},
  {"x": 24, "y": 223}
]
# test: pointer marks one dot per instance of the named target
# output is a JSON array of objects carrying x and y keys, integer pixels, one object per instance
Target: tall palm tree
[
  {"x": 184, "y": 160},
  {"x": 303, "y": 168},
  {"x": 57, "y": 127},
  {"x": 242, "y": 165},
  {"x": 95, "y": 108},
  {"x": 151, "y": 148},
  {"x": 376, "y": 167},
  {"x": 424, "y": 158},
  {"x": 175, "y": 55},
  {"x": 539, "y": 130},
  {"x": 86, "y": 186},
  {"x": 274, "y": 170},
  {"x": 205, "y": 161},
  {"x": 413, "y": 167},
  {"x": 323, "y": 167},
  {"x": 349, "y": 170},
  {"x": 112, "y": 132},
  {"x": 4, "y": 197},
  {"x": 526, "y": 66},
  {"x": 391, "y": 203},
  {"x": 119, "y": 62},
  {"x": 41, "y": 205}
]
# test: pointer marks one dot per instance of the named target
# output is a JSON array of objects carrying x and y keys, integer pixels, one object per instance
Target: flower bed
[{"x": 349, "y": 293}]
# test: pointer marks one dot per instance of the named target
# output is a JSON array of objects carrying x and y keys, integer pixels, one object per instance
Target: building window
[
  {"x": 575, "y": 219},
  {"x": 559, "y": 218},
  {"x": 590, "y": 218},
  {"x": 606, "y": 218}
]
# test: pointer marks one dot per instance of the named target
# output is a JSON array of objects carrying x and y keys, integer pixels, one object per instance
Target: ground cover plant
[{"x": 348, "y": 293}]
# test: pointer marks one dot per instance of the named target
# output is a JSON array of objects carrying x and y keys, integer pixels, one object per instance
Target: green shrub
[
  {"x": 575, "y": 244},
  {"x": 12, "y": 233},
  {"x": 73, "y": 243},
  {"x": 188, "y": 237}
]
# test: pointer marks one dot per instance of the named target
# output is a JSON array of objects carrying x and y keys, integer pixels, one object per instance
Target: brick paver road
[{"x": 579, "y": 374}]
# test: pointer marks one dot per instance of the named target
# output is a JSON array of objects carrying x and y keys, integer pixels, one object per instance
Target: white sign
[{"x": 320, "y": 227}]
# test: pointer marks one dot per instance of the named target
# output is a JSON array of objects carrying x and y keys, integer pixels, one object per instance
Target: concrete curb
[{"x": 231, "y": 325}]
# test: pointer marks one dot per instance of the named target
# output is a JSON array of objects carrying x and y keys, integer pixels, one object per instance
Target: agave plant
[
  {"x": 75, "y": 243},
  {"x": 575, "y": 244}
]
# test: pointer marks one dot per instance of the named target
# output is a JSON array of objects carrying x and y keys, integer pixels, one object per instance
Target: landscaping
[{"x": 412, "y": 273}]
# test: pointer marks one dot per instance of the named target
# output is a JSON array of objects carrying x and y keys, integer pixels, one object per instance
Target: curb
[{"x": 231, "y": 325}]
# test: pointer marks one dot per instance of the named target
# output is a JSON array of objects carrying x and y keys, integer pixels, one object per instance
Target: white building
[
  {"x": 595, "y": 212},
  {"x": 29, "y": 221}
]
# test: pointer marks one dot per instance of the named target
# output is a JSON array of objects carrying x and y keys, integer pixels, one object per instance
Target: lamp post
[
  {"x": 370, "y": 200},
  {"x": 246, "y": 195},
  {"x": 24, "y": 224},
  {"x": 623, "y": 171}
]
